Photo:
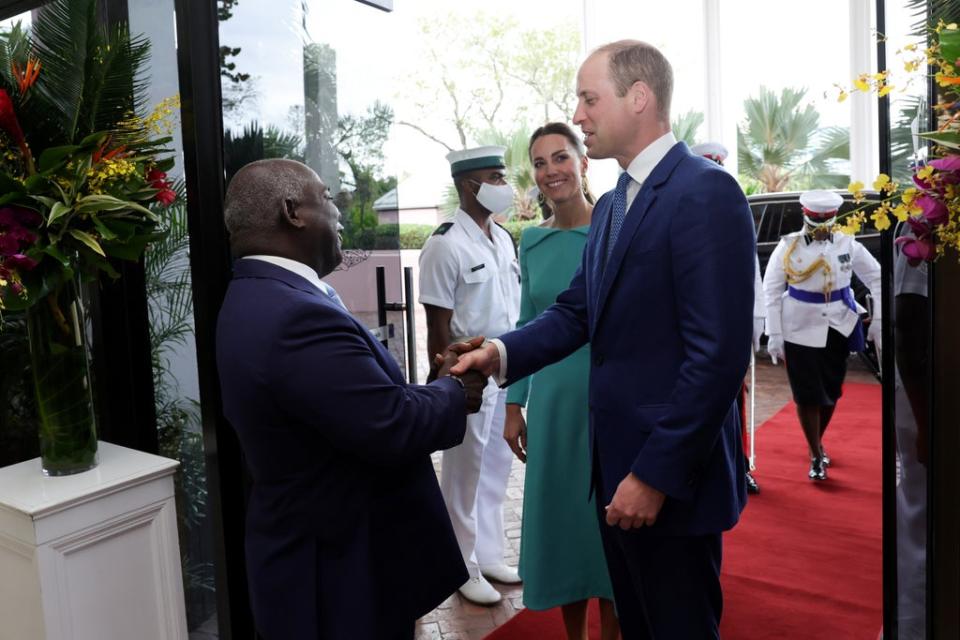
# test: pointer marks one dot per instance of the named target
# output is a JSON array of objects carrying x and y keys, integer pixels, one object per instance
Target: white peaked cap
[
  {"x": 821, "y": 201},
  {"x": 712, "y": 150},
  {"x": 488, "y": 157}
]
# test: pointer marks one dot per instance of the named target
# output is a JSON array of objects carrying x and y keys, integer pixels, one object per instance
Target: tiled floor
[{"x": 457, "y": 619}]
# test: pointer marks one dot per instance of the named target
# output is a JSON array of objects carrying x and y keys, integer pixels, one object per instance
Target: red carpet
[{"x": 805, "y": 560}]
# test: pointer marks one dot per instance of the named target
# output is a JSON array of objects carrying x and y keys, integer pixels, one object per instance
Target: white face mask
[{"x": 496, "y": 198}]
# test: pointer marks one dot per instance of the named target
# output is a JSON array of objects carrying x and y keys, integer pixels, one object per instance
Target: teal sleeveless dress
[{"x": 561, "y": 556}]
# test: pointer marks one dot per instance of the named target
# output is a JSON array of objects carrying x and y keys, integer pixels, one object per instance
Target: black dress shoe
[
  {"x": 817, "y": 470},
  {"x": 752, "y": 486}
]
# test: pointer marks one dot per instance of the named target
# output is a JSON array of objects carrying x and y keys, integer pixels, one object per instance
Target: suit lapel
[{"x": 631, "y": 223}]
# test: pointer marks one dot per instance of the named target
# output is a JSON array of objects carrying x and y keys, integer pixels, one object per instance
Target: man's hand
[
  {"x": 635, "y": 504},
  {"x": 485, "y": 359},
  {"x": 515, "y": 431},
  {"x": 474, "y": 383},
  {"x": 443, "y": 362},
  {"x": 775, "y": 347}
]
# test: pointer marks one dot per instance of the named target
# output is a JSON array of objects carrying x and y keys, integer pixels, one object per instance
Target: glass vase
[{"x": 61, "y": 382}]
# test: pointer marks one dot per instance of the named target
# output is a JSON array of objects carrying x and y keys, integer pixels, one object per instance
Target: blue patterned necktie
[{"x": 618, "y": 212}]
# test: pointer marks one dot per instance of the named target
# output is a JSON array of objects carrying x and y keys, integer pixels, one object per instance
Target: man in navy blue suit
[
  {"x": 347, "y": 535},
  {"x": 664, "y": 296}
]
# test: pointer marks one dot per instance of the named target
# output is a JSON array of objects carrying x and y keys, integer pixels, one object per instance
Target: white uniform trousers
[{"x": 473, "y": 480}]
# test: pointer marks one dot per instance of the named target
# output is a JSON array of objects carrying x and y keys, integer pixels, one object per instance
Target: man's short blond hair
[{"x": 632, "y": 61}]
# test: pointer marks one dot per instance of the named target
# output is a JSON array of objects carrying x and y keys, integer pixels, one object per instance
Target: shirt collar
[
  {"x": 646, "y": 160},
  {"x": 298, "y": 268},
  {"x": 470, "y": 225}
]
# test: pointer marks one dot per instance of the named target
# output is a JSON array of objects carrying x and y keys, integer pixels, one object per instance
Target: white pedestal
[{"x": 92, "y": 556}]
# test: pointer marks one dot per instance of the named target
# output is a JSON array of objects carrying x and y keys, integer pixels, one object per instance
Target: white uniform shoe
[
  {"x": 479, "y": 591},
  {"x": 500, "y": 573}
]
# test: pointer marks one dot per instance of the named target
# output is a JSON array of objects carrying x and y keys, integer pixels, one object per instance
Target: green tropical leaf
[
  {"x": 104, "y": 202},
  {"x": 949, "y": 139},
  {"x": 53, "y": 157},
  {"x": 88, "y": 240},
  {"x": 131, "y": 248},
  {"x": 57, "y": 255},
  {"x": 57, "y": 211},
  {"x": 950, "y": 45},
  {"x": 103, "y": 229},
  {"x": 10, "y": 185}
]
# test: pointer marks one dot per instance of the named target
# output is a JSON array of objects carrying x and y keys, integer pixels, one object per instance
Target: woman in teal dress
[{"x": 561, "y": 555}]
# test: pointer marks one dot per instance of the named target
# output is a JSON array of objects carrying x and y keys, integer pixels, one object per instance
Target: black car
[{"x": 777, "y": 214}]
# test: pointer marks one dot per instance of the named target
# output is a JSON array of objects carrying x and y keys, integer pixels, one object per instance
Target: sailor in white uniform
[
  {"x": 813, "y": 320},
  {"x": 470, "y": 286}
]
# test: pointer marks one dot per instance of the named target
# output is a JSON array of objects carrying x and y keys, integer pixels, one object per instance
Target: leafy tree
[
  {"x": 781, "y": 145},
  {"x": 686, "y": 125},
  {"x": 484, "y": 73}
]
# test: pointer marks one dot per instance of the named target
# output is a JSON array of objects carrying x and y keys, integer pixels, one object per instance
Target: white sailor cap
[
  {"x": 712, "y": 150},
  {"x": 820, "y": 204},
  {"x": 486, "y": 157}
]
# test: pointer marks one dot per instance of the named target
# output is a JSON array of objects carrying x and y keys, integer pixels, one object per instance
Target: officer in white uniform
[
  {"x": 470, "y": 286},
  {"x": 718, "y": 153},
  {"x": 812, "y": 318}
]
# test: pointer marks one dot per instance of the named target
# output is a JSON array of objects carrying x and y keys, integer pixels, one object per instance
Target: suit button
[{"x": 598, "y": 360}]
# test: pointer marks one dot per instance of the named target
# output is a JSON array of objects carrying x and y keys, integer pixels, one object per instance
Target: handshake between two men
[{"x": 472, "y": 372}]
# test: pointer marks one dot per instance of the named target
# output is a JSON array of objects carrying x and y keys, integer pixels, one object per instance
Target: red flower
[
  {"x": 8, "y": 119},
  {"x": 155, "y": 175},
  {"x": 26, "y": 77},
  {"x": 166, "y": 197}
]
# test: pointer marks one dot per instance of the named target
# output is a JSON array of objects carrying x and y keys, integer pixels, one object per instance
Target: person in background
[
  {"x": 718, "y": 153},
  {"x": 470, "y": 285},
  {"x": 664, "y": 296},
  {"x": 557, "y": 570},
  {"x": 344, "y": 506},
  {"x": 813, "y": 321}
]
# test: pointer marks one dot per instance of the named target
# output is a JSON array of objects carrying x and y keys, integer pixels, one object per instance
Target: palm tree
[
  {"x": 781, "y": 145},
  {"x": 686, "y": 125}
]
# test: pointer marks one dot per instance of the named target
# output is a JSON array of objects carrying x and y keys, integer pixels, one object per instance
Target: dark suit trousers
[{"x": 664, "y": 587}]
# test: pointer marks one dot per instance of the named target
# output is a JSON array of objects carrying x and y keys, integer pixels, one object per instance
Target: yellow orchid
[{"x": 880, "y": 219}]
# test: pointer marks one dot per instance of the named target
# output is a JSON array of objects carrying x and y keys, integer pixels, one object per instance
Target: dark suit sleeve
[
  {"x": 325, "y": 375},
  {"x": 712, "y": 253},
  {"x": 553, "y": 335}
]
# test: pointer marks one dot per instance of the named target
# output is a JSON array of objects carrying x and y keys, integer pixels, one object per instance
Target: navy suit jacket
[
  {"x": 669, "y": 321},
  {"x": 347, "y": 535}
]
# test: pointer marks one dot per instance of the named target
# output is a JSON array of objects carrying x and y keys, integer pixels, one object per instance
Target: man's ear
[
  {"x": 641, "y": 97},
  {"x": 290, "y": 215}
]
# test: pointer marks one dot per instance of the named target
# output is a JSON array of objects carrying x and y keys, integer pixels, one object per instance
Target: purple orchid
[{"x": 921, "y": 246}]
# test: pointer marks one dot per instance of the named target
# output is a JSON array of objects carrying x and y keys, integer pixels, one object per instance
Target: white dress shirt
[{"x": 303, "y": 271}]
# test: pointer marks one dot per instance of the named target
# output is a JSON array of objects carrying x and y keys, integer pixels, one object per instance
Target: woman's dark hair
[{"x": 562, "y": 129}]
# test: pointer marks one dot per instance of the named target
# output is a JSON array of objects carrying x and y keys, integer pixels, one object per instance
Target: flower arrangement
[
  {"x": 930, "y": 207},
  {"x": 82, "y": 177},
  {"x": 83, "y": 183}
]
